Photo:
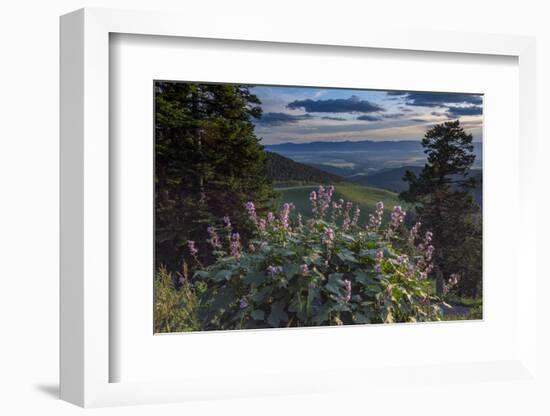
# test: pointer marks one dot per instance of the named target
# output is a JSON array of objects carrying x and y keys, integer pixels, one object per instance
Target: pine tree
[
  {"x": 443, "y": 204},
  {"x": 208, "y": 162}
]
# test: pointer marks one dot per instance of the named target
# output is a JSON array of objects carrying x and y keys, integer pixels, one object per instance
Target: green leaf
[
  {"x": 255, "y": 278},
  {"x": 359, "y": 318},
  {"x": 363, "y": 278},
  {"x": 277, "y": 314},
  {"x": 201, "y": 274},
  {"x": 223, "y": 299},
  {"x": 322, "y": 314},
  {"x": 258, "y": 315},
  {"x": 222, "y": 275},
  {"x": 290, "y": 269},
  {"x": 261, "y": 294},
  {"x": 346, "y": 256},
  {"x": 334, "y": 283}
]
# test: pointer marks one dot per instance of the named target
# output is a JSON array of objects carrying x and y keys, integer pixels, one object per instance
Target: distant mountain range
[
  {"x": 346, "y": 146},
  {"x": 377, "y": 164},
  {"x": 350, "y": 158}
]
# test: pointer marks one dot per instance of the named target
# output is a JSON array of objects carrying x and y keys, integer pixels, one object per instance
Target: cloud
[
  {"x": 333, "y": 118},
  {"x": 393, "y": 115},
  {"x": 438, "y": 99},
  {"x": 465, "y": 111},
  {"x": 366, "y": 117},
  {"x": 339, "y": 105},
  {"x": 276, "y": 119}
]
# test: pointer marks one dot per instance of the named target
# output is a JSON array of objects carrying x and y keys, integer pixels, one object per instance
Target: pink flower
[
  {"x": 429, "y": 252},
  {"x": 261, "y": 224},
  {"x": 192, "y": 249},
  {"x": 214, "y": 239},
  {"x": 285, "y": 211},
  {"x": 251, "y": 209},
  {"x": 376, "y": 220},
  {"x": 428, "y": 237},
  {"x": 236, "y": 246},
  {"x": 227, "y": 221},
  {"x": 304, "y": 268},
  {"x": 273, "y": 270},
  {"x": 347, "y": 286},
  {"x": 356, "y": 215},
  {"x": 414, "y": 232},
  {"x": 397, "y": 216},
  {"x": 378, "y": 259}
]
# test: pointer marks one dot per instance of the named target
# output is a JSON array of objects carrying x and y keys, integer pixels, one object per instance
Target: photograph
[{"x": 301, "y": 206}]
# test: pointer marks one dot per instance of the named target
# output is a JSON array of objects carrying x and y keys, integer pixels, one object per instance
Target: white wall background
[{"x": 29, "y": 183}]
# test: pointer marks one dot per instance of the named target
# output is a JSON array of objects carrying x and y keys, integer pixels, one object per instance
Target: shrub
[
  {"x": 326, "y": 271},
  {"x": 177, "y": 305}
]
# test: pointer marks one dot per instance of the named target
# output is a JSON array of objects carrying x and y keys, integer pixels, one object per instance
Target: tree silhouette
[
  {"x": 442, "y": 202},
  {"x": 208, "y": 162}
]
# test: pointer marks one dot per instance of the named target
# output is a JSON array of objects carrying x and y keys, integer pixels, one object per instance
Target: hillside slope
[
  {"x": 392, "y": 180},
  {"x": 283, "y": 169}
]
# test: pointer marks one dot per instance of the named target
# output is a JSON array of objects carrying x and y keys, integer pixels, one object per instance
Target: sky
[{"x": 302, "y": 115}]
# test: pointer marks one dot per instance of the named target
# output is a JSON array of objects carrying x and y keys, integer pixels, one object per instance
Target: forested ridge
[{"x": 280, "y": 168}]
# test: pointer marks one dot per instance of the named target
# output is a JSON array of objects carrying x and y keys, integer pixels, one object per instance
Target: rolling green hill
[
  {"x": 392, "y": 180},
  {"x": 363, "y": 196},
  {"x": 294, "y": 182}
]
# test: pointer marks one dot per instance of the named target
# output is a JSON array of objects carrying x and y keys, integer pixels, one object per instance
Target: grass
[{"x": 363, "y": 196}]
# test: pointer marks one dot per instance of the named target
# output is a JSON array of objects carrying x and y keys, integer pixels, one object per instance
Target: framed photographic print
[
  {"x": 281, "y": 206},
  {"x": 280, "y": 214}
]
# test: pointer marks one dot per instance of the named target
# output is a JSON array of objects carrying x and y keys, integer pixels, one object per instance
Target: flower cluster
[
  {"x": 451, "y": 283},
  {"x": 236, "y": 245},
  {"x": 213, "y": 238},
  {"x": 347, "y": 286},
  {"x": 251, "y": 209},
  {"x": 243, "y": 304},
  {"x": 284, "y": 218},
  {"x": 356, "y": 215},
  {"x": 397, "y": 217},
  {"x": 375, "y": 220},
  {"x": 335, "y": 272},
  {"x": 329, "y": 236},
  {"x": 379, "y": 258},
  {"x": 192, "y": 248},
  {"x": 274, "y": 270},
  {"x": 321, "y": 200},
  {"x": 413, "y": 234}
]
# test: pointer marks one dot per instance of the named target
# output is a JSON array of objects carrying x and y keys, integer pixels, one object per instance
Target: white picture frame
[{"x": 85, "y": 219}]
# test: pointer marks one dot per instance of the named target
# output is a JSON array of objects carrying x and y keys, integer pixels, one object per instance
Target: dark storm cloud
[
  {"x": 275, "y": 119},
  {"x": 339, "y": 105},
  {"x": 464, "y": 111},
  {"x": 367, "y": 117},
  {"x": 418, "y": 120},
  {"x": 437, "y": 99},
  {"x": 333, "y": 118}
]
